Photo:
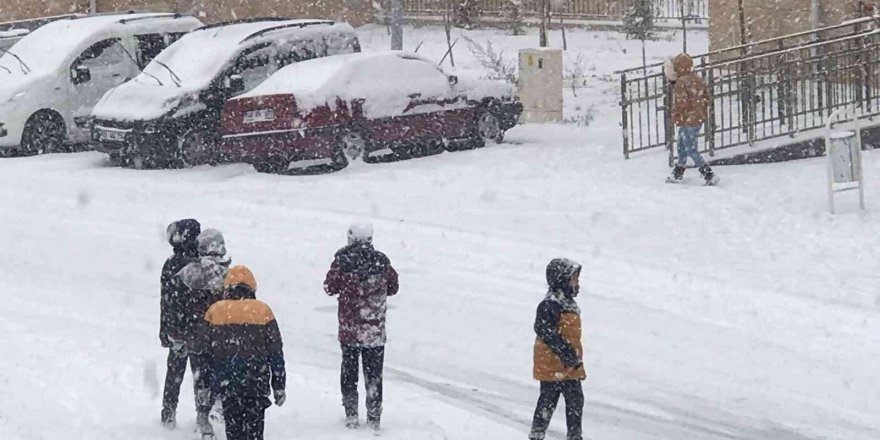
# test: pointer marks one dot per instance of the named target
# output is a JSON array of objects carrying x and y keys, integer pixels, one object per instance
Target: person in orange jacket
[
  {"x": 558, "y": 359},
  {"x": 690, "y": 99},
  {"x": 242, "y": 336}
]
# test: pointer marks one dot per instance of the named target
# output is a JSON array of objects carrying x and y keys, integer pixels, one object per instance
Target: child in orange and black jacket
[
  {"x": 242, "y": 336},
  {"x": 558, "y": 351}
]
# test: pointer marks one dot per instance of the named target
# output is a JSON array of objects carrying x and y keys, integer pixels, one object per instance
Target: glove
[
  {"x": 280, "y": 397},
  {"x": 164, "y": 340}
]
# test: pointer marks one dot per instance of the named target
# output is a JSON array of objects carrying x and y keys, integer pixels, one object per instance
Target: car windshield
[
  {"x": 195, "y": 59},
  {"x": 46, "y": 48}
]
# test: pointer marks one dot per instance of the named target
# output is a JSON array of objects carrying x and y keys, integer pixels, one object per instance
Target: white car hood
[
  {"x": 138, "y": 101},
  {"x": 16, "y": 88}
]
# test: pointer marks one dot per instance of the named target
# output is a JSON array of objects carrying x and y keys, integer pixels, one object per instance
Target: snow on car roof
[
  {"x": 200, "y": 55},
  {"x": 49, "y": 45},
  {"x": 323, "y": 73}
]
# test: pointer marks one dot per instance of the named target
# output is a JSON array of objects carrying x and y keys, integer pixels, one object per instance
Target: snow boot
[
  {"x": 374, "y": 423},
  {"x": 351, "y": 422},
  {"x": 535, "y": 435},
  {"x": 708, "y": 175},
  {"x": 677, "y": 174},
  {"x": 204, "y": 424},
  {"x": 169, "y": 418}
]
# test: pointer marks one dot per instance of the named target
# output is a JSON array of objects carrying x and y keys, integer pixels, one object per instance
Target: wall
[
  {"x": 356, "y": 12},
  {"x": 768, "y": 19}
]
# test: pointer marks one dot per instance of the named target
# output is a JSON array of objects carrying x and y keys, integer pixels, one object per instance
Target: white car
[{"x": 51, "y": 78}]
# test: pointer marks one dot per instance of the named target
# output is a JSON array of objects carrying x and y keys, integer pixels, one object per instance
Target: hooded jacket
[
  {"x": 558, "y": 351},
  {"x": 242, "y": 337},
  {"x": 690, "y": 97},
  {"x": 204, "y": 276},
  {"x": 362, "y": 278},
  {"x": 175, "y": 322}
]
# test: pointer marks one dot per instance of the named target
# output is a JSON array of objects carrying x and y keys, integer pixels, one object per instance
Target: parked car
[
  {"x": 170, "y": 114},
  {"x": 51, "y": 78},
  {"x": 386, "y": 105}
]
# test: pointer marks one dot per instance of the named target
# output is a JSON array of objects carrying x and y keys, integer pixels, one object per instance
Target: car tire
[
  {"x": 350, "y": 146},
  {"x": 194, "y": 148},
  {"x": 487, "y": 129},
  {"x": 43, "y": 133}
]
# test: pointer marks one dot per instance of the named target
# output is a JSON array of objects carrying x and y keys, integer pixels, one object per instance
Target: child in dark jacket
[
  {"x": 558, "y": 357},
  {"x": 243, "y": 338}
]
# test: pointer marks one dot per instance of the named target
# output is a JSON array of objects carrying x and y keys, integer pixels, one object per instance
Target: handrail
[{"x": 850, "y": 23}]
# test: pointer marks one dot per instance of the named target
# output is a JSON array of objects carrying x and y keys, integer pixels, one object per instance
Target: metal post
[
  {"x": 668, "y": 124},
  {"x": 624, "y": 119},
  {"x": 710, "y": 112},
  {"x": 684, "y": 29},
  {"x": 396, "y": 24}
]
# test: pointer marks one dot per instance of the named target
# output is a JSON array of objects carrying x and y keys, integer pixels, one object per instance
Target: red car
[{"x": 379, "y": 106}]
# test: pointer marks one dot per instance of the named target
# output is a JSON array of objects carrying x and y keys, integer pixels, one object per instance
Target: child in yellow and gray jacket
[{"x": 558, "y": 351}]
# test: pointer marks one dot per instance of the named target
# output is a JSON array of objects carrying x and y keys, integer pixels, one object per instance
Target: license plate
[
  {"x": 112, "y": 136},
  {"x": 261, "y": 115}
]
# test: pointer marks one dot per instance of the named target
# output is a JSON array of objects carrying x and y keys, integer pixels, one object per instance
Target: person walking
[
  {"x": 244, "y": 340},
  {"x": 361, "y": 278},
  {"x": 558, "y": 353},
  {"x": 204, "y": 278},
  {"x": 177, "y": 328},
  {"x": 690, "y": 98}
]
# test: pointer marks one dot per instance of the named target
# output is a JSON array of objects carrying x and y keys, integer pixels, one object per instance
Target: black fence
[
  {"x": 766, "y": 90},
  {"x": 695, "y": 10}
]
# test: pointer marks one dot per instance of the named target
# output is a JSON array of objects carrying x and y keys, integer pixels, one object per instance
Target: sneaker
[
  {"x": 351, "y": 422},
  {"x": 168, "y": 418}
]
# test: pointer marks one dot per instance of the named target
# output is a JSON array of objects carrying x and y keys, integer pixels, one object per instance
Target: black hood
[
  {"x": 183, "y": 236},
  {"x": 559, "y": 273},
  {"x": 239, "y": 291}
]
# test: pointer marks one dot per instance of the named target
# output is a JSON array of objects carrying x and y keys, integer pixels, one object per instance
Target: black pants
[
  {"x": 573, "y": 392},
  {"x": 245, "y": 417},
  {"x": 374, "y": 360},
  {"x": 202, "y": 379}
]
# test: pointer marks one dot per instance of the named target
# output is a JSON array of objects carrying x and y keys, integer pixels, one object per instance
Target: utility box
[{"x": 540, "y": 85}]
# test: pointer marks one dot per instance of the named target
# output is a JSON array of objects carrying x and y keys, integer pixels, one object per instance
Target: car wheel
[
  {"x": 488, "y": 128},
  {"x": 43, "y": 133},
  {"x": 195, "y": 147},
  {"x": 273, "y": 165},
  {"x": 353, "y": 145}
]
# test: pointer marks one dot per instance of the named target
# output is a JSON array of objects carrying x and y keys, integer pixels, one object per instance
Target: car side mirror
[
  {"x": 80, "y": 75},
  {"x": 453, "y": 80},
  {"x": 235, "y": 84}
]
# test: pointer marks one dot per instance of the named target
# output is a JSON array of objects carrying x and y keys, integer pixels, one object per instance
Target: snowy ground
[{"x": 738, "y": 312}]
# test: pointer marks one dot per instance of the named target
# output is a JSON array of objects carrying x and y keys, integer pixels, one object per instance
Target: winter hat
[
  {"x": 183, "y": 232},
  {"x": 683, "y": 64},
  {"x": 240, "y": 275},
  {"x": 559, "y": 273},
  {"x": 361, "y": 232},
  {"x": 211, "y": 243}
]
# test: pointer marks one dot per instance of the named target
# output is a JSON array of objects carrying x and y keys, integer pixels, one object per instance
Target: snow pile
[{"x": 14, "y": 33}]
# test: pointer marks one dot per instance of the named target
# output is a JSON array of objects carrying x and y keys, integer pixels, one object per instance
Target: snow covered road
[{"x": 738, "y": 312}]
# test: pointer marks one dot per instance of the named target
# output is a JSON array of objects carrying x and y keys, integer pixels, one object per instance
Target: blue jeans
[{"x": 687, "y": 146}]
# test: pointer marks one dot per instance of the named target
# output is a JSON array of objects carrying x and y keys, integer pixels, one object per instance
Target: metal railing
[
  {"x": 695, "y": 10},
  {"x": 759, "y": 93}
]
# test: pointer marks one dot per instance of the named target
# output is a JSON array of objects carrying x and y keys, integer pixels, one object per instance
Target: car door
[
  {"x": 413, "y": 94},
  {"x": 101, "y": 67}
]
